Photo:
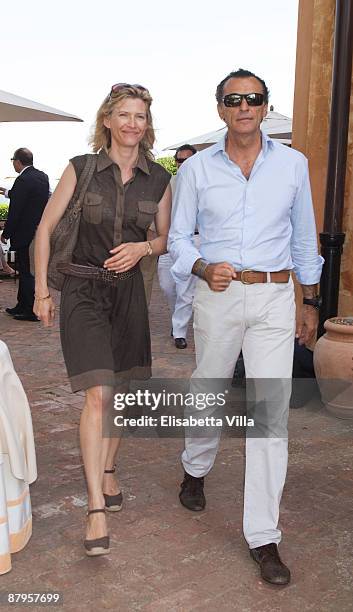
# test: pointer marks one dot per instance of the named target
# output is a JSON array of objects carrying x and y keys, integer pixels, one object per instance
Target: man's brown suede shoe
[
  {"x": 271, "y": 566},
  {"x": 191, "y": 494}
]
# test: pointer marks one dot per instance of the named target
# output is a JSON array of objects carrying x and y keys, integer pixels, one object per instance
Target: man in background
[
  {"x": 179, "y": 294},
  {"x": 28, "y": 197}
]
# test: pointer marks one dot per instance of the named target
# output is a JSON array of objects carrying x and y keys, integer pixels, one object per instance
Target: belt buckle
[{"x": 242, "y": 279}]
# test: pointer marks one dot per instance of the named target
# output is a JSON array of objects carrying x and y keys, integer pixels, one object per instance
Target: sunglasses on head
[
  {"x": 235, "y": 99},
  {"x": 119, "y": 86}
]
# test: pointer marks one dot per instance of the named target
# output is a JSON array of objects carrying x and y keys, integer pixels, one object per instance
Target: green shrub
[
  {"x": 168, "y": 163},
  {"x": 3, "y": 211}
]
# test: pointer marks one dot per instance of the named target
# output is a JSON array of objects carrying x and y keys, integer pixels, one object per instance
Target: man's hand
[
  {"x": 219, "y": 276},
  {"x": 3, "y": 239},
  {"x": 2, "y": 190},
  {"x": 307, "y": 325},
  {"x": 125, "y": 256}
]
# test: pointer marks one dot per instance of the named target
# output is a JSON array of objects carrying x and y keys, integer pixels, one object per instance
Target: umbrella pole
[{"x": 332, "y": 237}]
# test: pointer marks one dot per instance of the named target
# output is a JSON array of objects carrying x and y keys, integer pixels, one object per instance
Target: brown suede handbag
[{"x": 64, "y": 237}]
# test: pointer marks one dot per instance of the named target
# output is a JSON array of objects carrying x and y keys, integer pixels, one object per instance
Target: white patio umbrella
[
  {"x": 277, "y": 126},
  {"x": 16, "y": 108}
]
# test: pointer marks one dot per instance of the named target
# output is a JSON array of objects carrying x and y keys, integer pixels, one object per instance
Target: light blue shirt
[{"x": 265, "y": 223}]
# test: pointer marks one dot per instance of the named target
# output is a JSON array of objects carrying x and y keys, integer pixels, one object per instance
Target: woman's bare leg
[
  {"x": 94, "y": 454},
  {"x": 110, "y": 484}
]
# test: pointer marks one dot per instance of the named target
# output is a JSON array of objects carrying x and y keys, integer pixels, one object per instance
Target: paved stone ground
[{"x": 164, "y": 558}]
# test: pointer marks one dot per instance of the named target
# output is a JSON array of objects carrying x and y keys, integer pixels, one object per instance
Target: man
[
  {"x": 179, "y": 294},
  {"x": 251, "y": 200},
  {"x": 28, "y": 197}
]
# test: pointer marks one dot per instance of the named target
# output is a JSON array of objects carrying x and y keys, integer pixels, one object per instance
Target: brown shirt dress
[{"x": 104, "y": 328}]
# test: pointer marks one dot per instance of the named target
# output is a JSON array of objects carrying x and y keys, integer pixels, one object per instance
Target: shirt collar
[
  {"x": 267, "y": 143},
  {"x": 104, "y": 161},
  {"x": 23, "y": 169}
]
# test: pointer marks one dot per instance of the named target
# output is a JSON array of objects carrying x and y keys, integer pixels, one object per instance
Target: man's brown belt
[
  {"x": 96, "y": 273},
  {"x": 249, "y": 277}
]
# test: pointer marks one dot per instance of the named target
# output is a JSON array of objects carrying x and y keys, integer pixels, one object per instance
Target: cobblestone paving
[{"x": 164, "y": 558}]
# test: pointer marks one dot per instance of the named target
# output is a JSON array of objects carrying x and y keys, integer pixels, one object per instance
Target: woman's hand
[
  {"x": 125, "y": 256},
  {"x": 45, "y": 310}
]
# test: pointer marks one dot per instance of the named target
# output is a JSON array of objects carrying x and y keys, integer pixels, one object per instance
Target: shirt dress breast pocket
[
  {"x": 93, "y": 207},
  {"x": 146, "y": 209}
]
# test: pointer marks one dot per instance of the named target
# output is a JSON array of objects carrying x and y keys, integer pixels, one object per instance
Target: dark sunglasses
[
  {"x": 13, "y": 158},
  {"x": 181, "y": 160},
  {"x": 235, "y": 99},
  {"x": 119, "y": 86}
]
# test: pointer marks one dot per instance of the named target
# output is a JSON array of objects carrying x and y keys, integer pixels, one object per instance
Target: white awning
[
  {"x": 277, "y": 126},
  {"x": 16, "y": 108}
]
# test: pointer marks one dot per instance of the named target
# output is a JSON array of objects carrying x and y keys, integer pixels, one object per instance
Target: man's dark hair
[
  {"x": 241, "y": 74},
  {"x": 25, "y": 156},
  {"x": 185, "y": 147}
]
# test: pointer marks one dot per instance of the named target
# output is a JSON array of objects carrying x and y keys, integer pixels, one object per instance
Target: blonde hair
[{"x": 100, "y": 137}]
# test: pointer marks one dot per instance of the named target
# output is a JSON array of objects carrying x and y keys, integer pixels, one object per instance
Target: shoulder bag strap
[{"x": 83, "y": 182}]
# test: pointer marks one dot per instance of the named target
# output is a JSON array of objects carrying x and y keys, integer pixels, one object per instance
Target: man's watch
[{"x": 315, "y": 301}]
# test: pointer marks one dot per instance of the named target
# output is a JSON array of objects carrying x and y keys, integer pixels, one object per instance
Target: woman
[{"x": 104, "y": 323}]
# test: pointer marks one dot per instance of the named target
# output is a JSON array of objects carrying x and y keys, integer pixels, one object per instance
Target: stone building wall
[{"x": 311, "y": 117}]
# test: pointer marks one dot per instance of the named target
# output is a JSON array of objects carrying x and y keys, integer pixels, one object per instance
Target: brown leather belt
[
  {"x": 249, "y": 277},
  {"x": 96, "y": 273}
]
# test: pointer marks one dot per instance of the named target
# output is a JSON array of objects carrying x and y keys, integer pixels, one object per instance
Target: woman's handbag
[{"x": 64, "y": 237}]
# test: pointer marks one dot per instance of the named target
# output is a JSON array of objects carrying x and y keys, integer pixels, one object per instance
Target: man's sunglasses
[
  {"x": 181, "y": 160},
  {"x": 235, "y": 99}
]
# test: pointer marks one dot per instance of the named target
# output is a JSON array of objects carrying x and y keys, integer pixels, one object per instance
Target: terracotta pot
[{"x": 333, "y": 363}]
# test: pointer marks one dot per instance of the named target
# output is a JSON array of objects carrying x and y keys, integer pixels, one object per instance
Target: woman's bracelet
[
  {"x": 149, "y": 248},
  {"x": 46, "y": 297}
]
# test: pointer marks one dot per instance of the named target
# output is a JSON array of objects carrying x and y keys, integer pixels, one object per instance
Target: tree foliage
[
  {"x": 168, "y": 163},
  {"x": 3, "y": 211}
]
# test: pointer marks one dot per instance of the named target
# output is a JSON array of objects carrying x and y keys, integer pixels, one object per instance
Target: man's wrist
[
  {"x": 310, "y": 291},
  {"x": 199, "y": 267}
]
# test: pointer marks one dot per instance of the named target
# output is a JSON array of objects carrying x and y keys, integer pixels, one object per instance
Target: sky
[{"x": 68, "y": 54}]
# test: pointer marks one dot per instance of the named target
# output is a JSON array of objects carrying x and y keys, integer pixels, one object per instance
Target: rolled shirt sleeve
[
  {"x": 304, "y": 250},
  {"x": 182, "y": 229}
]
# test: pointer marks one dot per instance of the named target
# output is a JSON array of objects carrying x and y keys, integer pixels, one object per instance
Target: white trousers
[
  {"x": 179, "y": 295},
  {"x": 258, "y": 319}
]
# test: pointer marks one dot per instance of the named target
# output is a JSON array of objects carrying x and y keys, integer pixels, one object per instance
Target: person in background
[
  {"x": 103, "y": 312},
  {"x": 28, "y": 197},
  {"x": 18, "y": 467},
  {"x": 179, "y": 294},
  {"x": 250, "y": 198},
  {"x": 5, "y": 270}
]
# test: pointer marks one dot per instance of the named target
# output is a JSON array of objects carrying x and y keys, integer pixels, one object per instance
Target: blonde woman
[{"x": 103, "y": 314}]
